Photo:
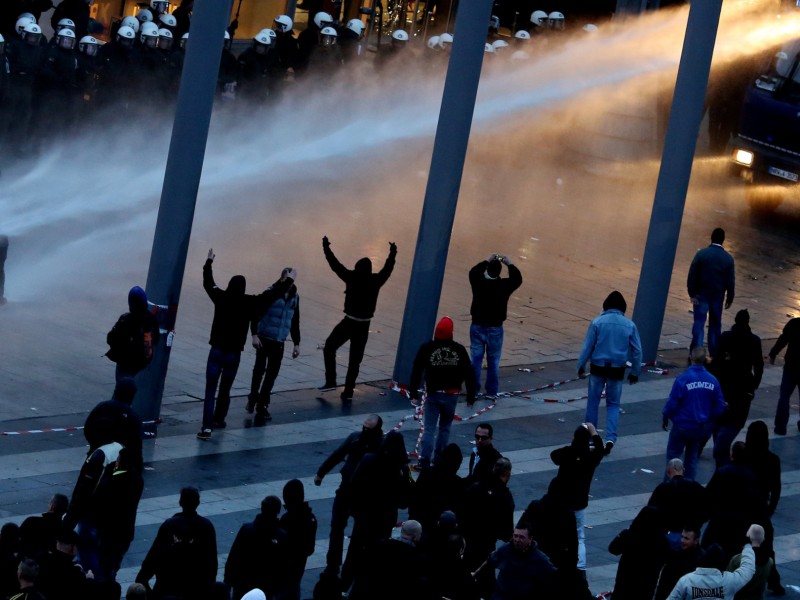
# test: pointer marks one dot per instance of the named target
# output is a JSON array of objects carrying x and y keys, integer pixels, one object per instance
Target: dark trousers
[
  {"x": 357, "y": 333},
  {"x": 340, "y": 514},
  {"x": 3, "y": 256},
  {"x": 789, "y": 383},
  {"x": 220, "y": 369},
  {"x": 267, "y": 366}
]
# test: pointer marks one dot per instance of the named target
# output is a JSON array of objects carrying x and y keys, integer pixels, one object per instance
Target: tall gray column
[
  {"x": 179, "y": 192},
  {"x": 444, "y": 181},
  {"x": 676, "y": 168}
]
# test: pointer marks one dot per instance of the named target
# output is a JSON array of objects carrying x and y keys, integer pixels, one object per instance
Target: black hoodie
[{"x": 361, "y": 293}]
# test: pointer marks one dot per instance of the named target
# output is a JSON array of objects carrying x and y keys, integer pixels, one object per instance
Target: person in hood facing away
[
  {"x": 611, "y": 342},
  {"x": 738, "y": 366},
  {"x": 446, "y": 366},
  {"x": 360, "y": 299},
  {"x": 134, "y": 336},
  {"x": 233, "y": 311},
  {"x": 570, "y": 487},
  {"x": 300, "y": 526}
]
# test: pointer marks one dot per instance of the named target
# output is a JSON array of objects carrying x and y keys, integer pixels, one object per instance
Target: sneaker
[
  {"x": 251, "y": 403},
  {"x": 328, "y": 387},
  {"x": 262, "y": 414},
  {"x": 780, "y": 431},
  {"x": 609, "y": 446},
  {"x": 204, "y": 434},
  {"x": 219, "y": 424},
  {"x": 347, "y": 397},
  {"x": 777, "y": 589},
  {"x": 490, "y": 397}
]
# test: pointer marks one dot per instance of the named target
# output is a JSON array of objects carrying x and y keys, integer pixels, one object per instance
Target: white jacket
[{"x": 706, "y": 582}]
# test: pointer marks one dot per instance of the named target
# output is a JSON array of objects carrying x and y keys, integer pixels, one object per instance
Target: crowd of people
[{"x": 46, "y": 84}]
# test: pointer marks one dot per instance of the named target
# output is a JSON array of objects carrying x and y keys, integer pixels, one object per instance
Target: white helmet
[
  {"x": 356, "y": 26},
  {"x": 591, "y": 28},
  {"x": 327, "y": 36},
  {"x": 21, "y": 22},
  {"x": 148, "y": 31},
  {"x": 522, "y": 35},
  {"x": 227, "y": 35},
  {"x": 167, "y": 20},
  {"x": 321, "y": 19},
  {"x": 66, "y": 39},
  {"x": 185, "y": 38},
  {"x": 445, "y": 39},
  {"x": 555, "y": 20},
  {"x": 271, "y": 33},
  {"x": 433, "y": 42},
  {"x": 494, "y": 22},
  {"x": 499, "y": 44},
  {"x": 164, "y": 34},
  {"x": 125, "y": 33},
  {"x": 69, "y": 23},
  {"x": 88, "y": 45},
  {"x": 144, "y": 16},
  {"x": 2, "y": 39},
  {"x": 159, "y": 6},
  {"x": 400, "y": 35},
  {"x": 539, "y": 18},
  {"x": 27, "y": 15},
  {"x": 283, "y": 23},
  {"x": 262, "y": 38},
  {"x": 32, "y": 33},
  {"x": 488, "y": 48},
  {"x": 131, "y": 22}
]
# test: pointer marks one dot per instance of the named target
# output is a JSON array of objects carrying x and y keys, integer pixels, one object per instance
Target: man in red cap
[{"x": 446, "y": 366}]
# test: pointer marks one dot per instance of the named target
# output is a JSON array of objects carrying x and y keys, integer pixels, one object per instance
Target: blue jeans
[
  {"x": 220, "y": 369},
  {"x": 712, "y": 308},
  {"x": 488, "y": 341},
  {"x": 580, "y": 518},
  {"x": 439, "y": 412},
  {"x": 789, "y": 383},
  {"x": 613, "y": 394},
  {"x": 689, "y": 440}
]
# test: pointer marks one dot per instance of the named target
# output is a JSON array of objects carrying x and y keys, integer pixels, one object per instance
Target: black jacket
[
  {"x": 233, "y": 309},
  {"x": 446, "y": 366},
  {"x": 789, "y": 336},
  {"x": 115, "y": 421},
  {"x": 739, "y": 366},
  {"x": 575, "y": 471},
  {"x": 682, "y": 502},
  {"x": 486, "y": 456},
  {"x": 300, "y": 526},
  {"x": 257, "y": 558},
  {"x": 490, "y": 296},
  {"x": 362, "y": 285},
  {"x": 351, "y": 451}
]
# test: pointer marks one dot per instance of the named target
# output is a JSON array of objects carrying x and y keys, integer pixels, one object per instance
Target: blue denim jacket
[{"x": 613, "y": 340}]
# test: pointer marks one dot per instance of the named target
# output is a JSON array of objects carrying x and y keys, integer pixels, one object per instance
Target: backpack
[{"x": 129, "y": 343}]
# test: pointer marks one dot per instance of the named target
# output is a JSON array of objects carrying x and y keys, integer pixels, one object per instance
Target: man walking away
[
  {"x": 711, "y": 281},
  {"x": 134, "y": 336},
  {"x": 790, "y": 336},
  {"x": 611, "y": 342},
  {"x": 490, "y": 294}
]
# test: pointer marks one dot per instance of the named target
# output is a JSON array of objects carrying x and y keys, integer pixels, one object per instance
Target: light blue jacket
[{"x": 612, "y": 340}]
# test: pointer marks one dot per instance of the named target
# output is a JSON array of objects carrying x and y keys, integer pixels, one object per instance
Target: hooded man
[
  {"x": 570, "y": 487},
  {"x": 360, "y": 299},
  {"x": 233, "y": 311},
  {"x": 134, "y": 336},
  {"x": 269, "y": 332},
  {"x": 612, "y": 341},
  {"x": 446, "y": 366},
  {"x": 738, "y": 365},
  {"x": 490, "y": 294}
]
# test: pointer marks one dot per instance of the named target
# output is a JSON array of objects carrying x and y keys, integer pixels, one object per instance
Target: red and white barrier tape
[{"x": 61, "y": 429}]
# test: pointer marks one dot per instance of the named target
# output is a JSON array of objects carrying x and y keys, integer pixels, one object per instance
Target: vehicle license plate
[{"x": 783, "y": 174}]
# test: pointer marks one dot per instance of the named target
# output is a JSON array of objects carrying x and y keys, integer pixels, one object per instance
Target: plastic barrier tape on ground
[{"x": 61, "y": 429}]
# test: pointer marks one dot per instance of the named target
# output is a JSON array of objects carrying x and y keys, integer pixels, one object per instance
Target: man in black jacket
[
  {"x": 351, "y": 451},
  {"x": 233, "y": 310},
  {"x": 791, "y": 371},
  {"x": 484, "y": 454},
  {"x": 193, "y": 527},
  {"x": 738, "y": 365},
  {"x": 133, "y": 337},
  {"x": 446, "y": 366},
  {"x": 490, "y": 294},
  {"x": 258, "y": 555},
  {"x": 360, "y": 299}
]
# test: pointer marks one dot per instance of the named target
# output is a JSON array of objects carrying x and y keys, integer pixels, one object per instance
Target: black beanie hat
[{"x": 742, "y": 317}]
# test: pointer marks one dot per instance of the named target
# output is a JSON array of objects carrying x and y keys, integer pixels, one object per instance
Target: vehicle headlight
[{"x": 743, "y": 157}]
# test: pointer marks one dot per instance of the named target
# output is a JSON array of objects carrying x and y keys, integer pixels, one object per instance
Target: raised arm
[
  {"x": 334, "y": 263},
  {"x": 388, "y": 266}
]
